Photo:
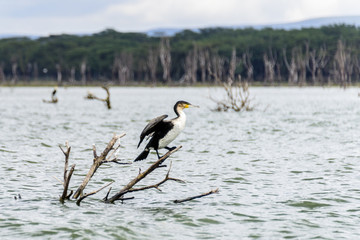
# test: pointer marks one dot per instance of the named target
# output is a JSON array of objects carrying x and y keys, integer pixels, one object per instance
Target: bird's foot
[{"x": 170, "y": 149}]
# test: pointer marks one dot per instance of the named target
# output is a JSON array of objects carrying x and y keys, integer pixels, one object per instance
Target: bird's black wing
[{"x": 151, "y": 126}]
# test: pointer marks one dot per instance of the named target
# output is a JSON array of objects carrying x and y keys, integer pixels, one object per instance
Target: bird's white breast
[{"x": 179, "y": 125}]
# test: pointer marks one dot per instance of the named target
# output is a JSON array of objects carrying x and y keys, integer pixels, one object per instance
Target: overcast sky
[{"x": 44, "y": 17}]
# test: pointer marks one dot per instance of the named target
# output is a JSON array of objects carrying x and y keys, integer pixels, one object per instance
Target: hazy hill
[{"x": 309, "y": 23}]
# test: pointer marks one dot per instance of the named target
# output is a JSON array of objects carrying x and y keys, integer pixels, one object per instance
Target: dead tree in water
[
  {"x": 106, "y": 100},
  {"x": 105, "y": 157},
  {"x": 237, "y": 97},
  {"x": 108, "y": 156}
]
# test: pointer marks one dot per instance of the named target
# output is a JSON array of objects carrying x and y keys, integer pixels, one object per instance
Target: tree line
[{"x": 310, "y": 56}]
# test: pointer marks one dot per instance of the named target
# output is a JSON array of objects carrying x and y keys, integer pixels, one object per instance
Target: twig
[
  {"x": 92, "y": 193},
  {"x": 198, "y": 196},
  {"x": 140, "y": 176}
]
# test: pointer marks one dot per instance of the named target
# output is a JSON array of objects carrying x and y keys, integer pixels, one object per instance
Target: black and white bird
[{"x": 162, "y": 132}]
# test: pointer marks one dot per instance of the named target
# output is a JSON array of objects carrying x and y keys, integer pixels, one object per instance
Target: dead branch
[
  {"x": 92, "y": 96},
  {"x": 157, "y": 185},
  {"x": 67, "y": 174},
  {"x": 92, "y": 193},
  {"x": 197, "y": 196},
  {"x": 98, "y": 161},
  {"x": 140, "y": 176}
]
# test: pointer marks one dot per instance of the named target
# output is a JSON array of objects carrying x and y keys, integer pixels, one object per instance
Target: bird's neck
[{"x": 179, "y": 113}]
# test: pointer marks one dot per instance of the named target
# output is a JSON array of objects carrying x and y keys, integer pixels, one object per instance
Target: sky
[{"x": 45, "y": 17}]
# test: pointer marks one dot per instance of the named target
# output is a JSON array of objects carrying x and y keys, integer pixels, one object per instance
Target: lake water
[{"x": 288, "y": 169}]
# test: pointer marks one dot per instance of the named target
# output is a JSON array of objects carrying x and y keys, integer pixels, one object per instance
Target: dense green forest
[{"x": 326, "y": 55}]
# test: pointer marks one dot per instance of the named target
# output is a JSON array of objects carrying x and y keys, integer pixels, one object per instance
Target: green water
[{"x": 289, "y": 169}]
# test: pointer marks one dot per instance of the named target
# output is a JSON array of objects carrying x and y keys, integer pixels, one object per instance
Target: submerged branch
[{"x": 197, "y": 196}]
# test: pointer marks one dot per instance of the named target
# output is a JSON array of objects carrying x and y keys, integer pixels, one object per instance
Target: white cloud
[{"x": 141, "y": 15}]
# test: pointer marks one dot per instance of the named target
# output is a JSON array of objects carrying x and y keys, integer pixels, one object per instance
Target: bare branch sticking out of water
[
  {"x": 129, "y": 187},
  {"x": 67, "y": 174},
  {"x": 197, "y": 196},
  {"x": 92, "y": 96},
  {"x": 157, "y": 185},
  {"x": 98, "y": 161},
  {"x": 237, "y": 97}
]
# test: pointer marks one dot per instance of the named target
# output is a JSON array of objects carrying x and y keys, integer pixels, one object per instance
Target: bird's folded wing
[{"x": 151, "y": 126}]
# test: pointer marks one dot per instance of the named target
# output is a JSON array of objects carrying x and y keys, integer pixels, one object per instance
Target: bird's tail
[{"x": 142, "y": 155}]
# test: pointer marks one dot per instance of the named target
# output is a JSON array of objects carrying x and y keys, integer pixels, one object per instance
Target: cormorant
[{"x": 163, "y": 132}]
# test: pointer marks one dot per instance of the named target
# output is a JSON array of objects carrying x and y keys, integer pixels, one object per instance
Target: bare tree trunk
[
  {"x": 36, "y": 71},
  {"x": 216, "y": 68},
  {"x": 58, "y": 73},
  {"x": 301, "y": 60},
  {"x": 72, "y": 74},
  {"x": 152, "y": 62},
  {"x": 14, "y": 67},
  {"x": 191, "y": 66},
  {"x": 165, "y": 58},
  {"x": 292, "y": 68},
  {"x": 269, "y": 65},
  {"x": 83, "y": 72},
  {"x": 249, "y": 67},
  {"x": 203, "y": 58},
  {"x": 2, "y": 74},
  {"x": 232, "y": 66},
  {"x": 343, "y": 66}
]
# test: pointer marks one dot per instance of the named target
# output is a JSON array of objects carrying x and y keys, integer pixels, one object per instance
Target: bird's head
[{"x": 184, "y": 104}]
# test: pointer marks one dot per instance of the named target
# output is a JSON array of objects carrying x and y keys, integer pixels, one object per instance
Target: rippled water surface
[{"x": 288, "y": 169}]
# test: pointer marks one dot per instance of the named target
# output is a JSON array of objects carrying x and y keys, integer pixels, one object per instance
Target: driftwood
[
  {"x": 98, "y": 161},
  {"x": 129, "y": 187},
  {"x": 197, "y": 196},
  {"x": 91, "y": 96}
]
